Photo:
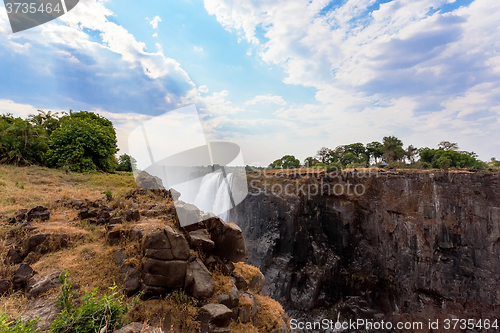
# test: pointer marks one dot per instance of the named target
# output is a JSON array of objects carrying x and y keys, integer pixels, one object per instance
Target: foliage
[
  {"x": 21, "y": 141},
  {"x": 393, "y": 149},
  {"x": 286, "y": 162},
  {"x": 84, "y": 142},
  {"x": 334, "y": 167},
  {"x": 324, "y": 155},
  {"x": 441, "y": 158},
  {"x": 126, "y": 163},
  {"x": 375, "y": 149},
  {"x": 447, "y": 145},
  {"x": 92, "y": 314},
  {"x": 310, "y": 162},
  {"x": 17, "y": 326}
]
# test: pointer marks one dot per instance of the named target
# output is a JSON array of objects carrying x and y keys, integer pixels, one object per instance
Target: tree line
[
  {"x": 390, "y": 152},
  {"x": 77, "y": 141}
]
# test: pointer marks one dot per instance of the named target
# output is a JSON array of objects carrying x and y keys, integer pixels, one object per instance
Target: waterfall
[{"x": 214, "y": 194}]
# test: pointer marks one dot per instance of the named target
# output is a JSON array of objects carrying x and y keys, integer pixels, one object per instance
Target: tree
[
  {"x": 375, "y": 149},
  {"x": 447, "y": 145},
  {"x": 410, "y": 153},
  {"x": 324, "y": 154},
  {"x": 84, "y": 142},
  {"x": 393, "y": 149},
  {"x": 126, "y": 163},
  {"x": 310, "y": 162},
  {"x": 286, "y": 162}
]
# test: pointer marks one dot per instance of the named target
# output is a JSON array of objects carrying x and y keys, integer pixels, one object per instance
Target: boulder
[
  {"x": 199, "y": 281},
  {"x": 169, "y": 274},
  {"x": 4, "y": 286},
  {"x": 147, "y": 181},
  {"x": 178, "y": 244},
  {"x": 187, "y": 213},
  {"x": 116, "y": 220},
  {"x": 137, "y": 233},
  {"x": 39, "y": 284},
  {"x": 214, "y": 317},
  {"x": 115, "y": 234},
  {"x": 156, "y": 239},
  {"x": 257, "y": 283},
  {"x": 43, "y": 243},
  {"x": 45, "y": 310},
  {"x": 229, "y": 241},
  {"x": 248, "y": 307},
  {"x": 39, "y": 212},
  {"x": 234, "y": 295},
  {"x": 149, "y": 292},
  {"x": 33, "y": 242},
  {"x": 131, "y": 279},
  {"x": 14, "y": 256},
  {"x": 22, "y": 276},
  {"x": 200, "y": 239},
  {"x": 174, "y": 194}
]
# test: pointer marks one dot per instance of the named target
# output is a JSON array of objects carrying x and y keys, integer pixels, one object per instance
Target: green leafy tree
[
  {"x": 411, "y": 153},
  {"x": 126, "y": 163},
  {"x": 358, "y": 150},
  {"x": 84, "y": 142},
  {"x": 393, "y": 149},
  {"x": 324, "y": 155},
  {"x": 440, "y": 158},
  {"x": 310, "y": 162},
  {"x": 286, "y": 162},
  {"x": 447, "y": 145},
  {"x": 375, "y": 149}
]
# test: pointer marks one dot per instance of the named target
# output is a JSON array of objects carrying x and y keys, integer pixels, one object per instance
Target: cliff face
[{"x": 417, "y": 244}]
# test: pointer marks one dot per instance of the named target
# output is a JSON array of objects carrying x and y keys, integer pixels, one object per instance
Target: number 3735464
[{"x": 25, "y": 8}]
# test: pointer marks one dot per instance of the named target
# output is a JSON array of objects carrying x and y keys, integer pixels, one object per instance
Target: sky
[{"x": 276, "y": 77}]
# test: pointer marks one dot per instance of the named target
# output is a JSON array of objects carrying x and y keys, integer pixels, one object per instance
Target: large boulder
[
  {"x": 145, "y": 180},
  {"x": 40, "y": 212},
  {"x": 199, "y": 281},
  {"x": 215, "y": 318},
  {"x": 14, "y": 256},
  {"x": 22, "y": 276},
  {"x": 39, "y": 284},
  {"x": 200, "y": 239},
  {"x": 168, "y": 274},
  {"x": 257, "y": 283},
  {"x": 166, "y": 244},
  {"x": 131, "y": 279},
  {"x": 187, "y": 213},
  {"x": 229, "y": 241}
]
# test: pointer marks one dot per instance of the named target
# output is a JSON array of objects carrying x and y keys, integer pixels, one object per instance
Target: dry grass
[
  {"x": 14, "y": 304},
  {"x": 270, "y": 314},
  {"x": 247, "y": 271},
  {"x": 27, "y": 187},
  {"x": 237, "y": 327}
]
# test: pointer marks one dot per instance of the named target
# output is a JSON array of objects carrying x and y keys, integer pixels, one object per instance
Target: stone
[
  {"x": 156, "y": 239},
  {"x": 83, "y": 213},
  {"x": 213, "y": 317},
  {"x": 39, "y": 284},
  {"x": 137, "y": 233},
  {"x": 248, "y": 307},
  {"x": 169, "y": 274},
  {"x": 39, "y": 212},
  {"x": 148, "y": 181},
  {"x": 257, "y": 283},
  {"x": 175, "y": 195},
  {"x": 131, "y": 279},
  {"x": 136, "y": 216},
  {"x": 227, "y": 268},
  {"x": 115, "y": 234},
  {"x": 228, "y": 238},
  {"x": 178, "y": 243},
  {"x": 116, "y": 220},
  {"x": 22, "y": 276},
  {"x": 93, "y": 213},
  {"x": 234, "y": 295},
  {"x": 187, "y": 213},
  {"x": 240, "y": 281},
  {"x": 4, "y": 286},
  {"x": 200, "y": 239},
  {"x": 43, "y": 309},
  {"x": 128, "y": 215},
  {"x": 149, "y": 292},
  {"x": 199, "y": 281},
  {"x": 160, "y": 254},
  {"x": 14, "y": 256},
  {"x": 33, "y": 242}
]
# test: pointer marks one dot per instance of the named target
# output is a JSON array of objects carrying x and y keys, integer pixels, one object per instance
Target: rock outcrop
[{"x": 421, "y": 244}]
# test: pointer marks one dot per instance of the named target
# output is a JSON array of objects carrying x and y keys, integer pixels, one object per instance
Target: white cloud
[
  {"x": 17, "y": 109},
  {"x": 266, "y": 99},
  {"x": 155, "y": 34},
  {"x": 249, "y": 52},
  {"x": 402, "y": 68},
  {"x": 154, "y": 22},
  {"x": 203, "y": 89},
  {"x": 198, "y": 49}
]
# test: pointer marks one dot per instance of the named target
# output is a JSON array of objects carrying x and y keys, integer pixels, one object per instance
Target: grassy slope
[{"x": 87, "y": 258}]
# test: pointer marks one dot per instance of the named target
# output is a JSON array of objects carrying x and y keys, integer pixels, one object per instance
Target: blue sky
[{"x": 277, "y": 77}]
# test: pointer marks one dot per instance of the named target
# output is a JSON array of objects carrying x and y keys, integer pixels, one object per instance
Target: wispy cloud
[
  {"x": 266, "y": 99},
  {"x": 154, "y": 22}
]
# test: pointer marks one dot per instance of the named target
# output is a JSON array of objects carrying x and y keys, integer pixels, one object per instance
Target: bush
[
  {"x": 85, "y": 142},
  {"x": 92, "y": 314},
  {"x": 16, "y": 326},
  {"x": 334, "y": 167},
  {"x": 127, "y": 163}
]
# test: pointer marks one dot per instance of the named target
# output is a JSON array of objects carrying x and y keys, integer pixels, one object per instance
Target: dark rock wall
[{"x": 424, "y": 244}]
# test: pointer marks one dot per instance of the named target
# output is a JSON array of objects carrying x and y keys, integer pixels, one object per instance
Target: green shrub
[
  {"x": 334, "y": 167},
  {"x": 126, "y": 163},
  {"x": 90, "y": 315},
  {"x": 17, "y": 326}
]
